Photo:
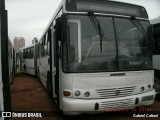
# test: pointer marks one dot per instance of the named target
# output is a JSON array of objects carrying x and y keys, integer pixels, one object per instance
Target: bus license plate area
[{"x": 147, "y": 98}]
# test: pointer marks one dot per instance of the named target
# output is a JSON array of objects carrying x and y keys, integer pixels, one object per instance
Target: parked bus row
[{"x": 95, "y": 55}]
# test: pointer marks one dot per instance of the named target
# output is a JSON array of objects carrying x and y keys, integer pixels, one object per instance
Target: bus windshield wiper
[
  {"x": 139, "y": 26},
  {"x": 97, "y": 26}
]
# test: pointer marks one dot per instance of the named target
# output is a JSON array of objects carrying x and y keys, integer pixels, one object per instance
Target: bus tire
[{"x": 49, "y": 85}]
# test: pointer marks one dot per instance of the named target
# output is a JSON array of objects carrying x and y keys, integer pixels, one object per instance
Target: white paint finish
[
  {"x": 78, "y": 22},
  {"x": 30, "y": 66},
  {"x": 31, "y": 63},
  {"x": 103, "y": 80}
]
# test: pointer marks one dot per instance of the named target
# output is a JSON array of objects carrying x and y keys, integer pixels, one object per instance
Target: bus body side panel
[
  {"x": 35, "y": 58},
  {"x": 53, "y": 67},
  {"x": 28, "y": 61},
  {"x": 4, "y": 68},
  {"x": 43, "y": 68}
]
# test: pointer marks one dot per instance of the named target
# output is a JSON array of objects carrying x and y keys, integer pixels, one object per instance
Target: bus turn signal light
[{"x": 66, "y": 93}]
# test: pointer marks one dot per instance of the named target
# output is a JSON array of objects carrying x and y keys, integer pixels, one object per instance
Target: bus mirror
[
  {"x": 58, "y": 27},
  {"x": 150, "y": 36},
  {"x": 150, "y": 30}
]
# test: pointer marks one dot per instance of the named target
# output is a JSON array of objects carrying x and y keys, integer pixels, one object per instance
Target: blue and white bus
[{"x": 97, "y": 55}]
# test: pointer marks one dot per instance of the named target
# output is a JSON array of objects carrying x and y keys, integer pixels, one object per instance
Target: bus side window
[
  {"x": 24, "y": 54},
  {"x": 38, "y": 51},
  {"x": 32, "y": 52},
  {"x": 42, "y": 47},
  {"x": 48, "y": 41},
  {"x": 48, "y": 47},
  {"x": 45, "y": 45},
  {"x": 29, "y": 53},
  {"x": 44, "y": 42}
]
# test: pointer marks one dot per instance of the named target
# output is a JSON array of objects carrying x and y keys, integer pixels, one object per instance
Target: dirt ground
[{"x": 28, "y": 95}]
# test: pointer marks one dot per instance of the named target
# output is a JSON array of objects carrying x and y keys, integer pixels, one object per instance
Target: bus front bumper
[{"x": 101, "y": 105}]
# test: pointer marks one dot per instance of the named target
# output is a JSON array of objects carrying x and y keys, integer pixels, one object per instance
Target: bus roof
[{"x": 64, "y": 5}]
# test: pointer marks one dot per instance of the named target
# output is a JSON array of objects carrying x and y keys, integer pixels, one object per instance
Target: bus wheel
[
  {"x": 38, "y": 74},
  {"x": 49, "y": 85}
]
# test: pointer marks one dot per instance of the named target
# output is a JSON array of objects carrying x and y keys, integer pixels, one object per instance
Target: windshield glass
[
  {"x": 133, "y": 47},
  {"x": 81, "y": 49}
]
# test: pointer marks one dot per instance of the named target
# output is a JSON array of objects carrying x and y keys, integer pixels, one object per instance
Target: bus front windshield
[{"x": 124, "y": 47}]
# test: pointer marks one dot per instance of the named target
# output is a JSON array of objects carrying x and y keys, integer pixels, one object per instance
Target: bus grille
[
  {"x": 115, "y": 92},
  {"x": 117, "y": 104}
]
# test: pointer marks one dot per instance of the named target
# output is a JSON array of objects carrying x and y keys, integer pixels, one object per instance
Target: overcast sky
[{"x": 29, "y": 18}]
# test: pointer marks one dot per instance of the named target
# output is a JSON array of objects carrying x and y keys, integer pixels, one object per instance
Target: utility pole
[
  {"x": 5, "y": 86},
  {"x": 2, "y": 5}
]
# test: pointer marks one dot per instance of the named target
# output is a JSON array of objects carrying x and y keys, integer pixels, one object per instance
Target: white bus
[
  {"x": 5, "y": 101},
  {"x": 11, "y": 61},
  {"x": 96, "y": 55},
  {"x": 28, "y": 59},
  {"x": 156, "y": 56}
]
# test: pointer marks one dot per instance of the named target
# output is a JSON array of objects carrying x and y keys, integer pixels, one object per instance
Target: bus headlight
[
  {"x": 87, "y": 94},
  {"x": 77, "y": 93},
  {"x": 142, "y": 89}
]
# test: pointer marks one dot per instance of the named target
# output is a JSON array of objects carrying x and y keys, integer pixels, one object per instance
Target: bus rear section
[
  {"x": 28, "y": 59},
  {"x": 11, "y": 61}
]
